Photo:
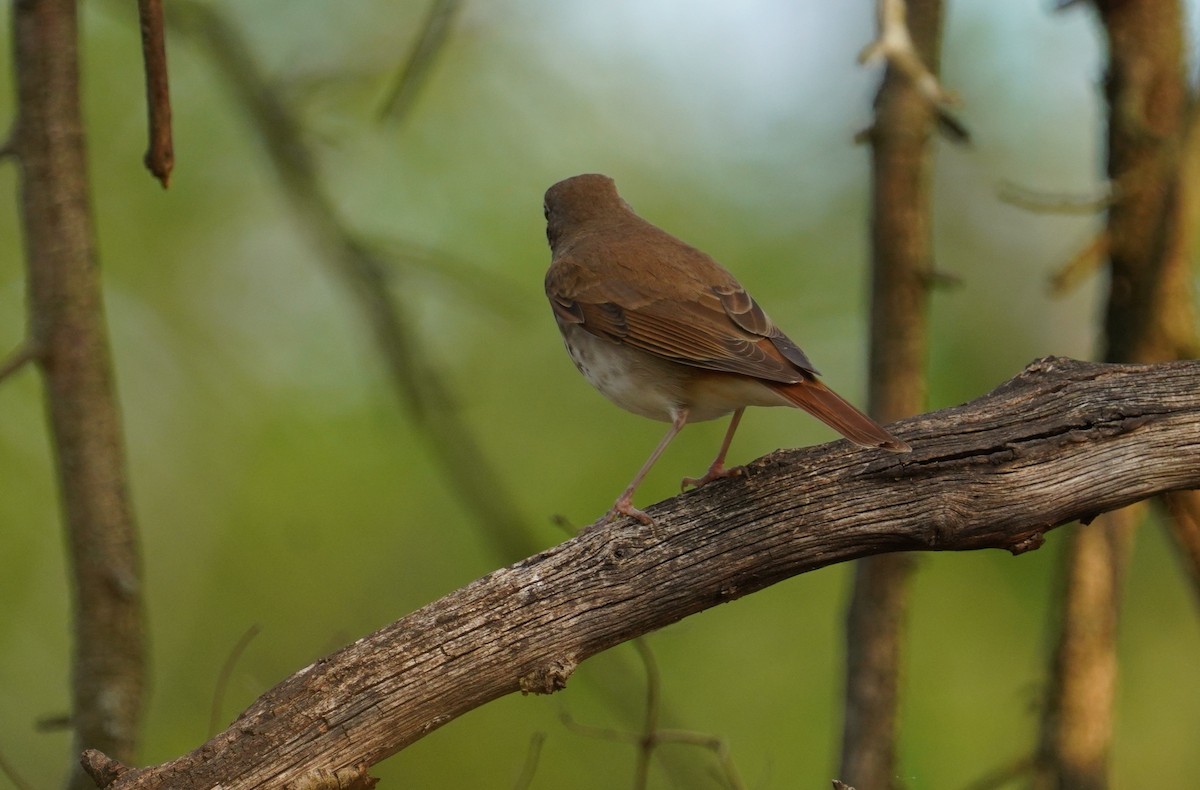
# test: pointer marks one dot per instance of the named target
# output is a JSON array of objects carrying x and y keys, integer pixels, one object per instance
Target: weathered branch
[
  {"x": 67, "y": 329},
  {"x": 1065, "y": 440}
]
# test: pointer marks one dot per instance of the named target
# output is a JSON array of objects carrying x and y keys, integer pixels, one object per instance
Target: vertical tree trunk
[
  {"x": 902, "y": 263},
  {"x": 67, "y": 333},
  {"x": 1148, "y": 318}
]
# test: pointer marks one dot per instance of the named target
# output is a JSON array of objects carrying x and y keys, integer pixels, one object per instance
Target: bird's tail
[{"x": 829, "y": 407}]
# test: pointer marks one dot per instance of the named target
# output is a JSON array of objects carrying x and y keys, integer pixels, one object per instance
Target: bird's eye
[{"x": 546, "y": 210}]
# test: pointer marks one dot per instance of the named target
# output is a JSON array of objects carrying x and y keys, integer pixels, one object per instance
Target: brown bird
[{"x": 662, "y": 330}]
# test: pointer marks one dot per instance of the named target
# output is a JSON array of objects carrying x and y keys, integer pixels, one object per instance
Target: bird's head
[{"x": 577, "y": 201}]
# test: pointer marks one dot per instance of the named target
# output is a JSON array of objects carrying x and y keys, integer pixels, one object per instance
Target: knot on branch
[
  {"x": 103, "y": 769},
  {"x": 1030, "y": 542},
  {"x": 354, "y": 777},
  {"x": 549, "y": 677}
]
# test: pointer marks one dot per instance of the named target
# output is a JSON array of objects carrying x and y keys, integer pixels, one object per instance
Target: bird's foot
[
  {"x": 715, "y": 472},
  {"x": 624, "y": 507}
]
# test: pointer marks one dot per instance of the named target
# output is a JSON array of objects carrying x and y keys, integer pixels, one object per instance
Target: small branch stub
[
  {"x": 894, "y": 43},
  {"x": 549, "y": 678},
  {"x": 353, "y": 778},
  {"x": 102, "y": 768},
  {"x": 160, "y": 155}
]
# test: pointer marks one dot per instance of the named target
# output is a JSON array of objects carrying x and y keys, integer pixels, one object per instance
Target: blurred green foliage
[{"x": 278, "y": 482}]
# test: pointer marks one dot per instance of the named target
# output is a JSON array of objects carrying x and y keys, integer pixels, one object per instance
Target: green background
[{"x": 278, "y": 482}]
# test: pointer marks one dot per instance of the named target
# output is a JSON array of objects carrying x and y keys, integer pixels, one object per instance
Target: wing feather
[{"x": 720, "y": 328}]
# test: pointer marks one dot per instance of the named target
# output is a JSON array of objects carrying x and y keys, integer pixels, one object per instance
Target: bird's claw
[
  {"x": 624, "y": 507},
  {"x": 715, "y": 472}
]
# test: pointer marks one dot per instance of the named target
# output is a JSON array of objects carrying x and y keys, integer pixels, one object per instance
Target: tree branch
[
  {"x": 1064, "y": 440},
  {"x": 66, "y": 326},
  {"x": 901, "y": 265},
  {"x": 160, "y": 155}
]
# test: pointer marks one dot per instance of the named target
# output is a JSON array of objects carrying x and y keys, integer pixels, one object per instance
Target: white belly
[{"x": 653, "y": 387}]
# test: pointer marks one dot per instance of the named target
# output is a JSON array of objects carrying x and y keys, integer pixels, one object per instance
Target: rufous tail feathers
[{"x": 829, "y": 407}]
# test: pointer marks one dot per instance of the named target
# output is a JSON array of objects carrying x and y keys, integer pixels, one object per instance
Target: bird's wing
[{"x": 717, "y": 327}]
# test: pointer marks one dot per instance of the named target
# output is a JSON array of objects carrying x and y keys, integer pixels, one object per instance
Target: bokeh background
[{"x": 279, "y": 483}]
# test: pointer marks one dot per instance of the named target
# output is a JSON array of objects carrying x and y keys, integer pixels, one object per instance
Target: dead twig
[
  {"x": 160, "y": 155},
  {"x": 235, "y": 655}
]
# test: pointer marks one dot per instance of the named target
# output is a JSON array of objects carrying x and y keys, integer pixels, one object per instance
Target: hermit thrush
[{"x": 663, "y": 331}]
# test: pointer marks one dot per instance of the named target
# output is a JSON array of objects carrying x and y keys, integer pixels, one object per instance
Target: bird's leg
[
  {"x": 717, "y": 470},
  {"x": 624, "y": 503}
]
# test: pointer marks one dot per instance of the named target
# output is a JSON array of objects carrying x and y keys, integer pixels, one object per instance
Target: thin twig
[
  {"x": 713, "y": 743},
  {"x": 413, "y": 74},
  {"x": 235, "y": 655},
  {"x": 1086, "y": 261},
  {"x": 9, "y": 772},
  {"x": 54, "y": 722},
  {"x": 1005, "y": 774},
  {"x": 1050, "y": 203},
  {"x": 650, "y": 722},
  {"x": 599, "y": 733},
  {"x": 20, "y": 356},
  {"x": 895, "y": 44},
  {"x": 533, "y": 755},
  {"x": 941, "y": 280},
  {"x": 160, "y": 155}
]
